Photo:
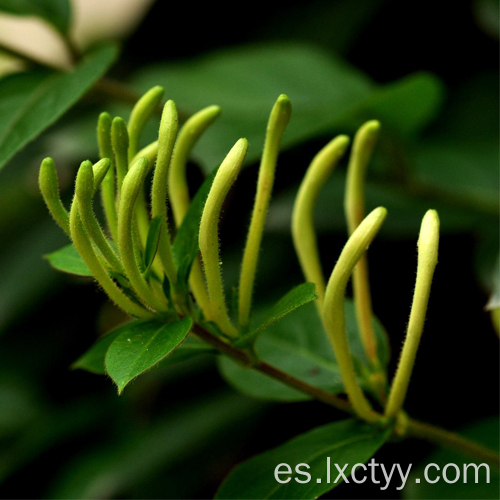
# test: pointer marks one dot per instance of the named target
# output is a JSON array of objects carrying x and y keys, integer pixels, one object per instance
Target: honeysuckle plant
[{"x": 163, "y": 269}]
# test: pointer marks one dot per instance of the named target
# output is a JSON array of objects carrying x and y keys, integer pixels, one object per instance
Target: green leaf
[
  {"x": 409, "y": 104},
  {"x": 152, "y": 241},
  {"x": 485, "y": 432},
  {"x": 246, "y": 82},
  {"x": 299, "y": 346},
  {"x": 68, "y": 260},
  {"x": 185, "y": 246},
  {"x": 298, "y": 296},
  {"x": 346, "y": 442},
  {"x": 141, "y": 346},
  {"x": 56, "y": 12},
  {"x": 326, "y": 93},
  {"x": 31, "y": 102},
  {"x": 93, "y": 359}
]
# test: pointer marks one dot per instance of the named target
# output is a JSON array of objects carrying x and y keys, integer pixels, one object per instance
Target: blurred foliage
[{"x": 439, "y": 148}]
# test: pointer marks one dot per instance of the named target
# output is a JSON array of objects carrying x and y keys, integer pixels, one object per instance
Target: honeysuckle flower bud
[
  {"x": 428, "y": 243},
  {"x": 141, "y": 113},
  {"x": 304, "y": 235},
  {"x": 354, "y": 204},
  {"x": 100, "y": 169},
  {"x": 132, "y": 184},
  {"x": 83, "y": 244},
  {"x": 166, "y": 140},
  {"x": 209, "y": 237},
  {"x": 108, "y": 183},
  {"x": 189, "y": 134},
  {"x": 278, "y": 120},
  {"x": 49, "y": 186},
  {"x": 333, "y": 308},
  {"x": 84, "y": 189},
  {"x": 120, "y": 143}
]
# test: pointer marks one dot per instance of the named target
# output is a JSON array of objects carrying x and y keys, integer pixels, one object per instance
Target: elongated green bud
[
  {"x": 141, "y": 113},
  {"x": 304, "y": 235},
  {"x": 132, "y": 184},
  {"x": 428, "y": 243},
  {"x": 85, "y": 185},
  {"x": 280, "y": 116},
  {"x": 120, "y": 142},
  {"x": 100, "y": 170},
  {"x": 189, "y": 134},
  {"x": 333, "y": 308},
  {"x": 354, "y": 204},
  {"x": 49, "y": 186},
  {"x": 166, "y": 141},
  {"x": 83, "y": 244},
  {"x": 209, "y": 234},
  {"x": 108, "y": 183}
]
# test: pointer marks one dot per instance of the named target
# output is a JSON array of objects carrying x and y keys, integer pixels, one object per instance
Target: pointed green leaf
[
  {"x": 141, "y": 346},
  {"x": 152, "y": 241},
  {"x": 68, "y": 260},
  {"x": 346, "y": 442},
  {"x": 93, "y": 359},
  {"x": 185, "y": 246},
  {"x": 30, "y": 102},
  {"x": 56, "y": 12},
  {"x": 298, "y": 296},
  {"x": 299, "y": 346}
]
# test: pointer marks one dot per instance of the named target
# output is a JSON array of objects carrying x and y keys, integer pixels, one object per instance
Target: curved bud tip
[
  {"x": 428, "y": 240},
  {"x": 284, "y": 107},
  {"x": 235, "y": 157},
  {"x": 169, "y": 118},
  {"x": 372, "y": 126},
  {"x": 376, "y": 217},
  {"x": 85, "y": 180},
  {"x": 213, "y": 111},
  {"x": 339, "y": 144},
  {"x": 104, "y": 119},
  {"x": 47, "y": 179}
]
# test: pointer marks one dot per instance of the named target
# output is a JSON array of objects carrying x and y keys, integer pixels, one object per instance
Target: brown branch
[{"x": 420, "y": 430}]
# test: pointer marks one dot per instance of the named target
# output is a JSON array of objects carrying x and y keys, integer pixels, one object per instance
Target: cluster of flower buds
[{"x": 134, "y": 261}]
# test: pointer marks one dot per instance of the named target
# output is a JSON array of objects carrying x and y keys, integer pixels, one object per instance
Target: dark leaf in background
[
  {"x": 345, "y": 442},
  {"x": 325, "y": 93},
  {"x": 31, "y": 102},
  {"x": 467, "y": 487},
  {"x": 113, "y": 470},
  {"x": 299, "y": 346}
]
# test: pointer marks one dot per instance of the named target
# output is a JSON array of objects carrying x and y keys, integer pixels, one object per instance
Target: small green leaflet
[
  {"x": 141, "y": 346},
  {"x": 56, "y": 12},
  {"x": 346, "y": 442},
  {"x": 299, "y": 346},
  {"x": 93, "y": 359},
  {"x": 152, "y": 241},
  {"x": 298, "y": 296},
  {"x": 32, "y": 101},
  {"x": 185, "y": 246},
  {"x": 68, "y": 260}
]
